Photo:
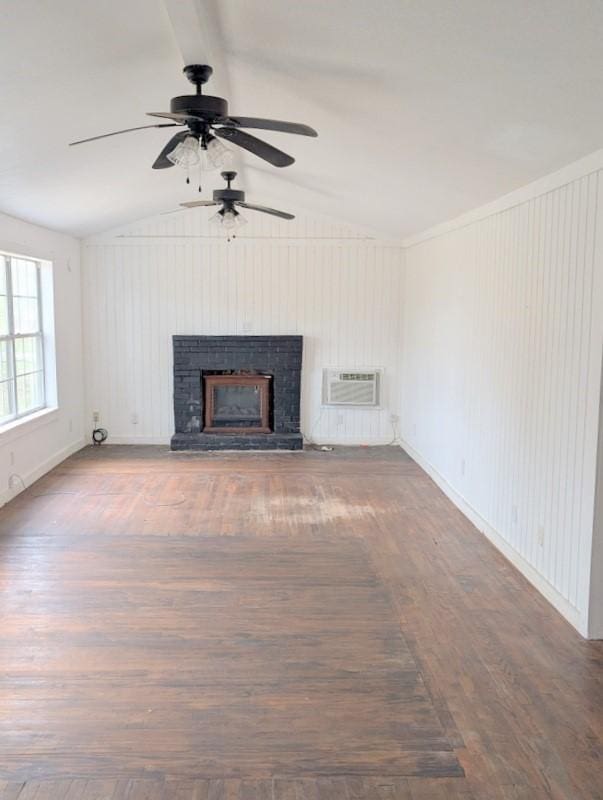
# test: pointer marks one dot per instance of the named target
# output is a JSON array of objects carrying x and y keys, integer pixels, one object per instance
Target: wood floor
[{"x": 304, "y": 626}]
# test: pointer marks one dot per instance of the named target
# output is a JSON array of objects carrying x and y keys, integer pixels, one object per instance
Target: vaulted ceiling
[{"x": 425, "y": 108}]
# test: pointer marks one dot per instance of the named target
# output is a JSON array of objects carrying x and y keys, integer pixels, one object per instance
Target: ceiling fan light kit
[
  {"x": 229, "y": 220},
  {"x": 207, "y": 153},
  {"x": 207, "y": 122}
]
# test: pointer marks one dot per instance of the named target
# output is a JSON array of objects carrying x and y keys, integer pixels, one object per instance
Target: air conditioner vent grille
[{"x": 351, "y": 387}]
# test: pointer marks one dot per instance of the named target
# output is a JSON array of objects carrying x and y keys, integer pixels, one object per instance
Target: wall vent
[{"x": 351, "y": 387}]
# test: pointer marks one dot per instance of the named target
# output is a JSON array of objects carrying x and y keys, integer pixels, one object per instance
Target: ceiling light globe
[
  {"x": 239, "y": 220},
  {"x": 216, "y": 219},
  {"x": 185, "y": 154},
  {"x": 229, "y": 220},
  {"x": 218, "y": 155}
]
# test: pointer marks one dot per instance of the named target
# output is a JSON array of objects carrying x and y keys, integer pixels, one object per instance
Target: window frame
[{"x": 12, "y": 336}]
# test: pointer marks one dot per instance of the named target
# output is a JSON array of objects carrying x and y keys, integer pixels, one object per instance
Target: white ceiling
[{"x": 425, "y": 108}]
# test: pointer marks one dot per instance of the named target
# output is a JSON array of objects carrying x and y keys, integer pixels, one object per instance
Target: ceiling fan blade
[
  {"x": 195, "y": 203},
  {"x": 259, "y": 148},
  {"x": 125, "y": 130},
  {"x": 162, "y": 162},
  {"x": 179, "y": 117},
  {"x": 264, "y": 210},
  {"x": 270, "y": 125}
]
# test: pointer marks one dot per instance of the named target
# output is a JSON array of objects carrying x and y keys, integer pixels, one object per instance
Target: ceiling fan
[
  {"x": 230, "y": 200},
  {"x": 205, "y": 118}
]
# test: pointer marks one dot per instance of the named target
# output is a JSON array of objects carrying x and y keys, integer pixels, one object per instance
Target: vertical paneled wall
[
  {"x": 501, "y": 363},
  {"x": 169, "y": 276}
]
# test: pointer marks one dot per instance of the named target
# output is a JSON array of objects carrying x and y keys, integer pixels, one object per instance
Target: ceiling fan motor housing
[
  {"x": 203, "y": 105},
  {"x": 229, "y": 196}
]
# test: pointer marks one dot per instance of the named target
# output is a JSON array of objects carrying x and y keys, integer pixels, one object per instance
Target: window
[{"x": 21, "y": 338}]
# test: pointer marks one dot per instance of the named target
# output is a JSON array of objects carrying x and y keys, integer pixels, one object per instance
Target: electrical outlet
[
  {"x": 134, "y": 418},
  {"x": 541, "y": 535},
  {"x": 95, "y": 417}
]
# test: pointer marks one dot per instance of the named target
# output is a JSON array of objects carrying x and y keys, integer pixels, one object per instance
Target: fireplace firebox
[{"x": 237, "y": 403}]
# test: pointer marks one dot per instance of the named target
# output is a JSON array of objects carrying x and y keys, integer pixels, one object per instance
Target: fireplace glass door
[{"x": 237, "y": 403}]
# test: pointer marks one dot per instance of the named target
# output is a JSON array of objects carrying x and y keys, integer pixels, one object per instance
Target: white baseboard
[
  {"x": 138, "y": 439},
  {"x": 342, "y": 441},
  {"x": 42, "y": 469},
  {"x": 354, "y": 441},
  {"x": 571, "y": 614}
]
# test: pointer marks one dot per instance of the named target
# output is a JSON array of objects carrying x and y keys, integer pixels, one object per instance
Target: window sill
[{"x": 21, "y": 427}]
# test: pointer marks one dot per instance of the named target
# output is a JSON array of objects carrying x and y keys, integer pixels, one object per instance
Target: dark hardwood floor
[{"x": 295, "y": 626}]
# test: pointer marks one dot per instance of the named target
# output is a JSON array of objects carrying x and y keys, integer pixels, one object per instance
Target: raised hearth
[{"x": 237, "y": 392}]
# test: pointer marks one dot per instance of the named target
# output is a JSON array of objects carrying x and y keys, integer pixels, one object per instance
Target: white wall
[
  {"x": 172, "y": 275},
  {"x": 502, "y": 343},
  {"x": 33, "y": 447},
  {"x": 595, "y": 615}
]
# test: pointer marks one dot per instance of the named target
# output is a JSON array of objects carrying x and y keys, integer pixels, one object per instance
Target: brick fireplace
[{"x": 237, "y": 392}]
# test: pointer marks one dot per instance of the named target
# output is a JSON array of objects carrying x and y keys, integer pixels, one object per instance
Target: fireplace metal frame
[{"x": 210, "y": 382}]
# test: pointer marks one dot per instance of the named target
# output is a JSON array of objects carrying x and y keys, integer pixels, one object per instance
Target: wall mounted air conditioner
[{"x": 351, "y": 387}]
